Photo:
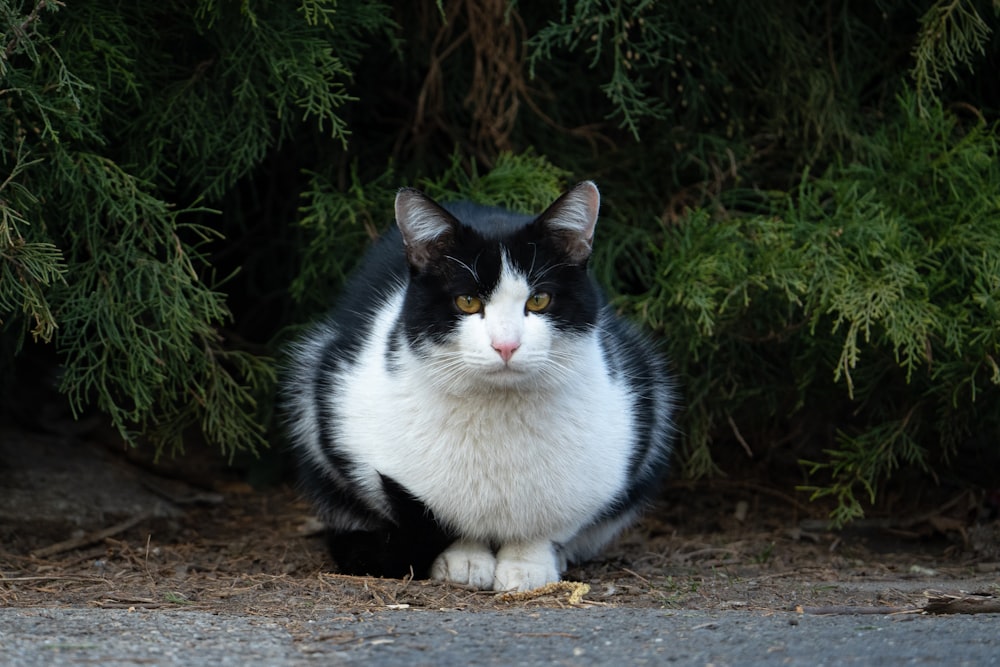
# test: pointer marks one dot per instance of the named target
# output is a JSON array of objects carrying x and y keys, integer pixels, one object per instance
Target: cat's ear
[
  {"x": 571, "y": 219},
  {"x": 428, "y": 230}
]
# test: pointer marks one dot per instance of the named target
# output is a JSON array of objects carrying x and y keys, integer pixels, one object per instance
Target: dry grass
[{"x": 253, "y": 553}]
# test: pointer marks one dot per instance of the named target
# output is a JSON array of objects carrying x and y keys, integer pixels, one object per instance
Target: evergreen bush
[
  {"x": 858, "y": 310},
  {"x": 800, "y": 197},
  {"x": 121, "y": 125}
]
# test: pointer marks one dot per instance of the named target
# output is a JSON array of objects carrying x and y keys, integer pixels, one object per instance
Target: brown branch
[
  {"x": 89, "y": 538},
  {"x": 739, "y": 436},
  {"x": 19, "y": 32}
]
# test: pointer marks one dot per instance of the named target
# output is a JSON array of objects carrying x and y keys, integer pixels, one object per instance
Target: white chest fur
[{"x": 496, "y": 465}]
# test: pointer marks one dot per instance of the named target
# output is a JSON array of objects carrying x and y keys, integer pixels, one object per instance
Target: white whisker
[
  {"x": 548, "y": 268},
  {"x": 470, "y": 269}
]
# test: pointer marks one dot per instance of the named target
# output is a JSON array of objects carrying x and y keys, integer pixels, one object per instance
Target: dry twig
[{"x": 89, "y": 538}]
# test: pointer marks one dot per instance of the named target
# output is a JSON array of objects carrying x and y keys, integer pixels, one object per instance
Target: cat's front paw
[
  {"x": 524, "y": 567},
  {"x": 470, "y": 563}
]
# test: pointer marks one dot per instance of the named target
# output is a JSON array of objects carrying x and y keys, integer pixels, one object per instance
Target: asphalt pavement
[{"x": 595, "y": 636}]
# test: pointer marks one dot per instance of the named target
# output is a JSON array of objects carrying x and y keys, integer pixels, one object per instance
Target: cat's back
[
  {"x": 638, "y": 366},
  {"x": 381, "y": 274}
]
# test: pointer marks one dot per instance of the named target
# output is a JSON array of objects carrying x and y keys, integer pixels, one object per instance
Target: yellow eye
[
  {"x": 468, "y": 304},
  {"x": 538, "y": 302}
]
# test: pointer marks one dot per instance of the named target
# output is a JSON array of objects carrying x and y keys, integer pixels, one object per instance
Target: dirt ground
[{"x": 228, "y": 547}]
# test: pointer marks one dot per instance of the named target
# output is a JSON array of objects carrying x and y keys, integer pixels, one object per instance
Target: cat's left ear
[
  {"x": 571, "y": 219},
  {"x": 428, "y": 230}
]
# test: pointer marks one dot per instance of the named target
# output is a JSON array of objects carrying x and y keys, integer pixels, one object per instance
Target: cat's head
[{"x": 497, "y": 299}]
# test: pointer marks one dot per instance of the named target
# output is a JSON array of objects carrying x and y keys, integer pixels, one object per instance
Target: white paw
[
  {"x": 470, "y": 563},
  {"x": 524, "y": 567}
]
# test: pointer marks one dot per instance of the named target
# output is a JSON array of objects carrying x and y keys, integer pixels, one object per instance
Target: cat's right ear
[
  {"x": 571, "y": 219},
  {"x": 428, "y": 230}
]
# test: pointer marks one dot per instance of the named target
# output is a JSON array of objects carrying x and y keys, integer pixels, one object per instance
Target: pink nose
[{"x": 506, "y": 350}]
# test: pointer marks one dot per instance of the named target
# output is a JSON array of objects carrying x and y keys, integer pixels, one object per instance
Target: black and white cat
[{"x": 473, "y": 410}]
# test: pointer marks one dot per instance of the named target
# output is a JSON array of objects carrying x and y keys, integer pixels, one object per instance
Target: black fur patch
[
  {"x": 409, "y": 544},
  {"x": 473, "y": 265}
]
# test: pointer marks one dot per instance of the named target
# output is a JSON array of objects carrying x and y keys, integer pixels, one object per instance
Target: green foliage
[
  {"x": 952, "y": 35},
  {"x": 632, "y": 38},
  {"x": 865, "y": 299},
  {"x": 107, "y": 124},
  {"x": 250, "y": 78},
  {"x": 135, "y": 314},
  {"x": 722, "y": 72},
  {"x": 525, "y": 183},
  {"x": 337, "y": 224},
  {"x": 27, "y": 268}
]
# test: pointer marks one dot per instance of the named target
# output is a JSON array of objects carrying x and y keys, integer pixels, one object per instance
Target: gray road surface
[{"x": 411, "y": 638}]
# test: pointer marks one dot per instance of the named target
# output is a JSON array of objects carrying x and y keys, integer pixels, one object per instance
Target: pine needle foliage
[
  {"x": 953, "y": 34},
  {"x": 28, "y": 269},
  {"x": 116, "y": 116},
  {"x": 864, "y": 299},
  {"x": 670, "y": 67},
  {"x": 630, "y": 37}
]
